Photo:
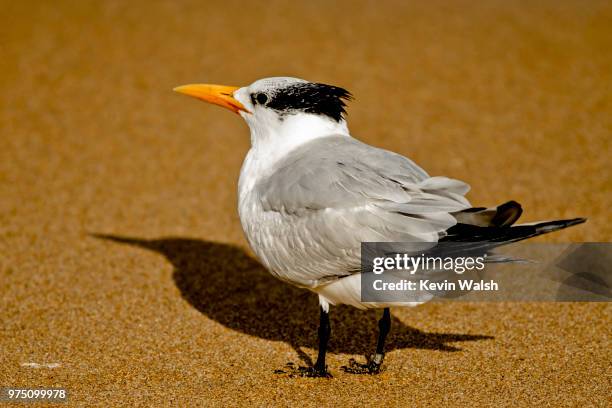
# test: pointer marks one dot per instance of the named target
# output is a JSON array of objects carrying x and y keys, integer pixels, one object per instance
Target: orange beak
[{"x": 218, "y": 94}]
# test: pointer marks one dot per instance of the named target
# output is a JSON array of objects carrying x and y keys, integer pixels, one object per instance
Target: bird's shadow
[{"x": 227, "y": 285}]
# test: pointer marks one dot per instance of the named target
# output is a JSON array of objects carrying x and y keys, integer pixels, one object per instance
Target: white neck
[{"x": 273, "y": 139}]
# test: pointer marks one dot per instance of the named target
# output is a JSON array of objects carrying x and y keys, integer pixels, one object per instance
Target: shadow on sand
[{"x": 227, "y": 285}]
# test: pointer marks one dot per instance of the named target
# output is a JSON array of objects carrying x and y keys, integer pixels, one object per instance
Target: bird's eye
[{"x": 261, "y": 98}]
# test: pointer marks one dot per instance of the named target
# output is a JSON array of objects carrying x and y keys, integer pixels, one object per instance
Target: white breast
[
  {"x": 266, "y": 231},
  {"x": 283, "y": 242}
]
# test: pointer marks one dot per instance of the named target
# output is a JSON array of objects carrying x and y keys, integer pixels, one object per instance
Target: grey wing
[{"x": 333, "y": 193}]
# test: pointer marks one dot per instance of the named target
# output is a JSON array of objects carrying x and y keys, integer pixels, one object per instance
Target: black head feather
[{"x": 319, "y": 99}]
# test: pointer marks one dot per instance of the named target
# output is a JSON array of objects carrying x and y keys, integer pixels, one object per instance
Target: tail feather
[
  {"x": 501, "y": 216},
  {"x": 496, "y": 225},
  {"x": 473, "y": 239},
  {"x": 543, "y": 227},
  {"x": 474, "y": 233}
]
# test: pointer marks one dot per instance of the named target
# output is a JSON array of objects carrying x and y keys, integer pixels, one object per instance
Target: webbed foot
[
  {"x": 372, "y": 366},
  {"x": 300, "y": 371}
]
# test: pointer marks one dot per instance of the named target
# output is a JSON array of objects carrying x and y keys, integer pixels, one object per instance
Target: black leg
[
  {"x": 319, "y": 369},
  {"x": 384, "y": 326},
  {"x": 375, "y": 361},
  {"x": 324, "y": 334}
]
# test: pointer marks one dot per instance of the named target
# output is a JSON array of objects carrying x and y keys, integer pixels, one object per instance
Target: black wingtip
[
  {"x": 576, "y": 221},
  {"x": 550, "y": 226},
  {"x": 507, "y": 214},
  {"x": 571, "y": 222}
]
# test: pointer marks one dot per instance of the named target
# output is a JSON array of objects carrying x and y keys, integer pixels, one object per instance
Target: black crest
[{"x": 306, "y": 97}]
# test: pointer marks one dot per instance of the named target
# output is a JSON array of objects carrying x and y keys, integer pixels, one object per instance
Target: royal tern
[{"x": 310, "y": 194}]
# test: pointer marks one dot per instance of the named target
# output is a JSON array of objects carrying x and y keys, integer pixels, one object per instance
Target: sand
[{"x": 171, "y": 308}]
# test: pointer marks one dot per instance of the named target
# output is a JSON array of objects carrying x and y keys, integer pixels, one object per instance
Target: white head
[{"x": 280, "y": 111}]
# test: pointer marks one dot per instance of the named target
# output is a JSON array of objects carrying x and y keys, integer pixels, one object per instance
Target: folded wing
[{"x": 331, "y": 194}]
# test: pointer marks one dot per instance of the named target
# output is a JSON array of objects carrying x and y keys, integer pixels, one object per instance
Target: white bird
[{"x": 310, "y": 194}]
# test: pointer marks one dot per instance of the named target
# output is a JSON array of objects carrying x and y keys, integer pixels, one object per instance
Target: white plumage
[{"x": 310, "y": 194}]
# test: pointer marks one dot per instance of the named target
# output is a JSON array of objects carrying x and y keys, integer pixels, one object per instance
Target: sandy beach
[{"x": 124, "y": 274}]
